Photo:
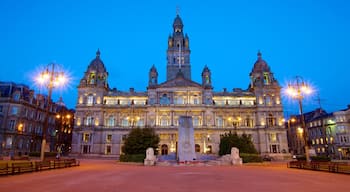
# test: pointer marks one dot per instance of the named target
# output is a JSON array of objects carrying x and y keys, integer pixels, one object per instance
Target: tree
[
  {"x": 243, "y": 143},
  {"x": 139, "y": 140}
]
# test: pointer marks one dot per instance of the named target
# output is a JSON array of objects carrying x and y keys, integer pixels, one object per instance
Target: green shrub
[
  {"x": 242, "y": 142},
  {"x": 249, "y": 158},
  {"x": 139, "y": 140},
  {"x": 132, "y": 157}
]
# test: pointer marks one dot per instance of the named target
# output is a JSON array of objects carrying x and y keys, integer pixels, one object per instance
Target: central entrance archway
[{"x": 164, "y": 149}]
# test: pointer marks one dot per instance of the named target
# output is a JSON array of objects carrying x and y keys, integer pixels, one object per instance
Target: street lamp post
[
  {"x": 297, "y": 90},
  {"x": 50, "y": 78}
]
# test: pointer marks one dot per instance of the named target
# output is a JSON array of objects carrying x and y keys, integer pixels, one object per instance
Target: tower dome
[
  {"x": 260, "y": 65},
  {"x": 97, "y": 64}
]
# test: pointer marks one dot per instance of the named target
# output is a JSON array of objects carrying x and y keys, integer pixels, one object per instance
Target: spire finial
[
  {"x": 177, "y": 10},
  {"x": 259, "y": 54},
  {"x": 98, "y": 53}
]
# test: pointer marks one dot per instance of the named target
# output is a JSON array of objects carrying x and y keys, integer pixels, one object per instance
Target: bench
[
  {"x": 42, "y": 165},
  {"x": 71, "y": 162},
  {"x": 21, "y": 167},
  {"x": 4, "y": 168}
]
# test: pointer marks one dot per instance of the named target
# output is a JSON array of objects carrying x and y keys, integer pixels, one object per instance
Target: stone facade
[
  {"x": 22, "y": 121},
  {"x": 105, "y": 115},
  {"x": 327, "y": 133}
]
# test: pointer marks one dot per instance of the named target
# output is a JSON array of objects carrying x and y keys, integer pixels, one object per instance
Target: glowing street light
[
  {"x": 298, "y": 90},
  {"x": 52, "y": 76}
]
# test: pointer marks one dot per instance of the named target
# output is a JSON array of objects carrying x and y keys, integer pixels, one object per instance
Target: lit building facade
[
  {"x": 328, "y": 133},
  {"x": 22, "y": 118},
  {"x": 104, "y": 115}
]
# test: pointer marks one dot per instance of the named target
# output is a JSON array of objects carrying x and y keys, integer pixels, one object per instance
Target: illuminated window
[
  {"x": 8, "y": 142},
  {"x": 268, "y": 100},
  {"x": 140, "y": 123},
  {"x": 110, "y": 121},
  {"x": 14, "y": 110},
  {"x": 196, "y": 121},
  {"x": 92, "y": 78},
  {"x": 266, "y": 78},
  {"x": 90, "y": 100},
  {"x": 273, "y": 137},
  {"x": 125, "y": 122},
  {"x": 219, "y": 122},
  {"x": 109, "y": 138},
  {"x": 164, "y": 121},
  {"x": 12, "y": 124},
  {"x": 89, "y": 121},
  {"x": 249, "y": 122},
  {"x": 86, "y": 137}
]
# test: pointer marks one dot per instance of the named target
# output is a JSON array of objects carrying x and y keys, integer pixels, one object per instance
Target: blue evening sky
[{"x": 296, "y": 37}]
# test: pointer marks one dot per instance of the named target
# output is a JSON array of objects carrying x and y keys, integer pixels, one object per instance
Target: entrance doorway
[
  {"x": 164, "y": 149},
  {"x": 197, "y": 148}
]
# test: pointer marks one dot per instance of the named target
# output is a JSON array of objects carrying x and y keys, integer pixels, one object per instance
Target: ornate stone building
[
  {"x": 22, "y": 121},
  {"x": 104, "y": 115}
]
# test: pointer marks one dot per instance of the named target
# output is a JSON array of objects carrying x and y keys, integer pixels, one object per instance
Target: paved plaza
[{"x": 107, "y": 175}]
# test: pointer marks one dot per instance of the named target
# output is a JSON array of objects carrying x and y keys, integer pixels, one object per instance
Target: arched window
[
  {"x": 196, "y": 121},
  {"x": 164, "y": 100},
  {"x": 111, "y": 121},
  {"x": 164, "y": 149},
  {"x": 89, "y": 120},
  {"x": 219, "y": 122},
  {"x": 90, "y": 100},
  {"x": 270, "y": 120},
  {"x": 164, "y": 121},
  {"x": 195, "y": 100},
  {"x": 125, "y": 122}
]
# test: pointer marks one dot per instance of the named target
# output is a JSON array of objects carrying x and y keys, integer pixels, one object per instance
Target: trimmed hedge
[
  {"x": 132, "y": 158},
  {"x": 250, "y": 158},
  {"x": 320, "y": 158},
  {"x": 315, "y": 158}
]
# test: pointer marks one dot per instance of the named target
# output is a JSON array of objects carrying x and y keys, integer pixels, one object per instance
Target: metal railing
[{"x": 334, "y": 167}]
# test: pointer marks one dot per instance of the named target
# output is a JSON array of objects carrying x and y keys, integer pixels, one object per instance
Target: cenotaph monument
[{"x": 186, "y": 149}]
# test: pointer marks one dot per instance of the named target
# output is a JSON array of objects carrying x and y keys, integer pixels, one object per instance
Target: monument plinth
[{"x": 186, "y": 149}]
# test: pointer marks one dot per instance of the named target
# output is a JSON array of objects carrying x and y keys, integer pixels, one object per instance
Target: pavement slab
[{"x": 108, "y": 175}]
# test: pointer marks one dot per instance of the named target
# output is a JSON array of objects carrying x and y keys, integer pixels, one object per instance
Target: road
[{"x": 107, "y": 175}]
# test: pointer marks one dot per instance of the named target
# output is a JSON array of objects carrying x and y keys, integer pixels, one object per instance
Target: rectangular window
[
  {"x": 12, "y": 124},
  {"x": 14, "y": 110},
  {"x": 89, "y": 120},
  {"x": 109, "y": 138},
  {"x": 90, "y": 100},
  {"x": 1, "y": 108},
  {"x": 86, "y": 137},
  {"x": 273, "y": 137},
  {"x": 219, "y": 122}
]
